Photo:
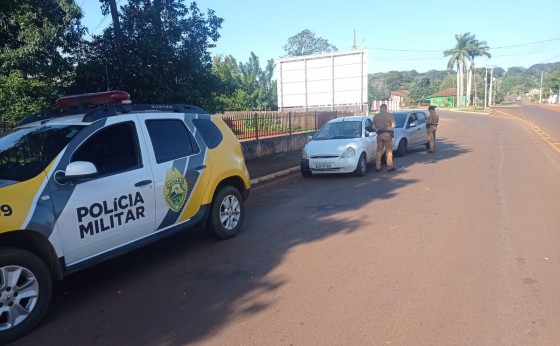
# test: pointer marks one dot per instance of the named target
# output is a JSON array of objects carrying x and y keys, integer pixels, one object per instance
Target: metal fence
[{"x": 255, "y": 125}]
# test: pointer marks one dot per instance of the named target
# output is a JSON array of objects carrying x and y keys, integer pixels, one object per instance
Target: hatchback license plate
[{"x": 324, "y": 165}]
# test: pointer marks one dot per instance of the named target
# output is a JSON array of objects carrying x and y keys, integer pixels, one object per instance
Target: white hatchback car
[
  {"x": 343, "y": 145},
  {"x": 410, "y": 130}
]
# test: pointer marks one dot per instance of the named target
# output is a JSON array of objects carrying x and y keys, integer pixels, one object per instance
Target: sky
[{"x": 399, "y": 35}]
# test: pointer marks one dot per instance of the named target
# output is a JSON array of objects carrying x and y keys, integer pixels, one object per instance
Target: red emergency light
[{"x": 92, "y": 99}]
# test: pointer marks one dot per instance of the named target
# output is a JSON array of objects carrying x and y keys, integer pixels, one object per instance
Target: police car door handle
[
  {"x": 198, "y": 168},
  {"x": 143, "y": 183}
]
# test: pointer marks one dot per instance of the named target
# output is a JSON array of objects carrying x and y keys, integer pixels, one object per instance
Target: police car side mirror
[
  {"x": 413, "y": 124},
  {"x": 309, "y": 138},
  {"x": 75, "y": 171},
  {"x": 370, "y": 134}
]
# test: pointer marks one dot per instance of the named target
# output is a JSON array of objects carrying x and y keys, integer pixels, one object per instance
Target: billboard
[{"x": 327, "y": 81}]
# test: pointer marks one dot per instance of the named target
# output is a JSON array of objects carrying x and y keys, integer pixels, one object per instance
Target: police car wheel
[
  {"x": 361, "y": 168},
  {"x": 25, "y": 292},
  {"x": 226, "y": 213}
]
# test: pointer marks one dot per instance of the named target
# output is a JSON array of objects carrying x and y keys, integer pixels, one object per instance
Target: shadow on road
[{"x": 187, "y": 287}]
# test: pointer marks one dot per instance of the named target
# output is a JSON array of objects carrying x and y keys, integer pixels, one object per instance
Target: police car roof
[
  {"x": 88, "y": 115},
  {"x": 75, "y": 119}
]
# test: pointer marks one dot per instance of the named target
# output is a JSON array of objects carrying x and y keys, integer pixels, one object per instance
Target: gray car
[{"x": 410, "y": 130}]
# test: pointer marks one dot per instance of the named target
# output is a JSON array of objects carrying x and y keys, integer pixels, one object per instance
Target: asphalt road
[{"x": 461, "y": 247}]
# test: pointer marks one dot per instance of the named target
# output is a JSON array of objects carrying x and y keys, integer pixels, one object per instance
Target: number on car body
[{"x": 5, "y": 210}]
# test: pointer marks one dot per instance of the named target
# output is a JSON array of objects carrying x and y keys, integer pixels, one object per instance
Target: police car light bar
[{"x": 91, "y": 99}]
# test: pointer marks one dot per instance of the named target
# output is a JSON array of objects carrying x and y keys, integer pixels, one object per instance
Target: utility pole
[
  {"x": 491, "y": 82},
  {"x": 116, "y": 25},
  {"x": 540, "y": 92},
  {"x": 485, "y": 86},
  {"x": 354, "y": 46}
]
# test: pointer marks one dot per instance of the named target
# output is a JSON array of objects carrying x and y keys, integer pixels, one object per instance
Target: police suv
[{"x": 83, "y": 184}]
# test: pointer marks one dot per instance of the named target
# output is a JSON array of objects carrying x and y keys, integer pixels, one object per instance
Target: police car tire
[
  {"x": 227, "y": 203},
  {"x": 31, "y": 264}
]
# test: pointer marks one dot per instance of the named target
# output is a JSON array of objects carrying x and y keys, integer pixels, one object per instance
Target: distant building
[
  {"x": 444, "y": 98},
  {"x": 399, "y": 96},
  {"x": 532, "y": 92}
]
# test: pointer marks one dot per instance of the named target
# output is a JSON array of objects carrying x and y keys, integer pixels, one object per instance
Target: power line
[
  {"x": 102, "y": 21},
  {"x": 441, "y": 50},
  {"x": 526, "y": 44}
]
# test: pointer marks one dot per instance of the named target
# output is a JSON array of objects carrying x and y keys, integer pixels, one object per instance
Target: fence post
[
  {"x": 256, "y": 125},
  {"x": 290, "y": 123}
]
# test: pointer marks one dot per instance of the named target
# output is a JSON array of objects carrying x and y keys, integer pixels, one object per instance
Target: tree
[
  {"x": 475, "y": 49},
  {"x": 245, "y": 85},
  {"x": 458, "y": 57},
  {"x": 554, "y": 84},
  {"x": 422, "y": 87},
  {"x": 305, "y": 43},
  {"x": 448, "y": 81},
  {"x": 165, "y": 50},
  {"x": 37, "y": 39},
  {"x": 377, "y": 87}
]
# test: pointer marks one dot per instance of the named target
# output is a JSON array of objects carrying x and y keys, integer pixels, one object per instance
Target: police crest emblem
[{"x": 175, "y": 189}]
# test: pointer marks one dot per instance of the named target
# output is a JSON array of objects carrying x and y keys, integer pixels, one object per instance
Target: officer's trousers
[
  {"x": 384, "y": 140},
  {"x": 432, "y": 138}
]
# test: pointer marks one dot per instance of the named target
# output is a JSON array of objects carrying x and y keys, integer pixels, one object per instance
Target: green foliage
[
  {"x": 35, "y": 36},
  {"x": 380, "y": 85},
  {"x": 516, "y": 84},
  {"x": 245, "y": 86},
  {"x": 554, "y": 83},
  {"x": 377, "y": 87},
  {"x": 272, "y": 125},
  {"x": 422, "y": 87},
  {"x": 37, "y": 39},
  {"x": 461, "y": 52},
  {"x": 20, "y": 97},
  {"x": 164, "y": 56},
  {"x": 305, "y": 43}
]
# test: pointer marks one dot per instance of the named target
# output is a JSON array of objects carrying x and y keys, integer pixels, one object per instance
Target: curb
[{"x": 274, "y": 175}]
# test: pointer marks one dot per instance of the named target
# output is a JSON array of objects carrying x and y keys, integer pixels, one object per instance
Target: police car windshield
[
  {"x": 25, "y": 152},
  {"x": 340, "y": 130}
]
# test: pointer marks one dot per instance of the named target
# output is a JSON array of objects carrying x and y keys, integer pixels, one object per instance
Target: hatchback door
[
  {"x": 370, "y": 138},
  {"x": 413, "y": 130}
]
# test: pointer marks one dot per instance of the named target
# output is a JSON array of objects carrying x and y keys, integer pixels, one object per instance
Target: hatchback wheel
[
  {"x": 226, "y": 213},
  {"x": 361, "y": 168},
  {"x": 401, "y": 149},
  {"x": 25, "y": 292},
  {"x": 305, "y": 172}
]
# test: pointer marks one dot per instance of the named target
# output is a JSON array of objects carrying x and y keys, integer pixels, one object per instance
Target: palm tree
[
  {"x": 458, "y": 57},
  {"x": 476, "y": 48}
]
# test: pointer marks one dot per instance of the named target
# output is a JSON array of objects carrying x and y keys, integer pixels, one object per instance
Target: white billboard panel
[{"x": 325, "y": 80}]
